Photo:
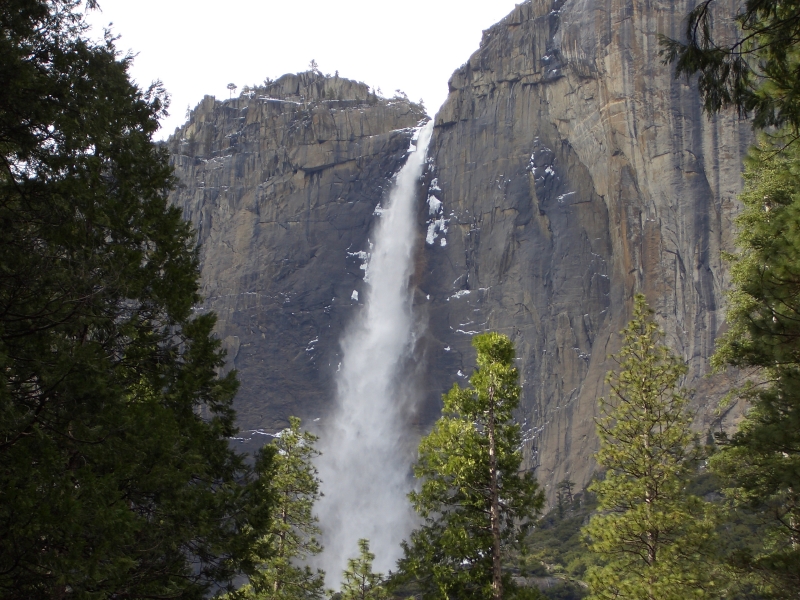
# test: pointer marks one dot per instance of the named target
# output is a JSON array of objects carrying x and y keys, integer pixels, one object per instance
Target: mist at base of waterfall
[{"x": 365, "y": 466}]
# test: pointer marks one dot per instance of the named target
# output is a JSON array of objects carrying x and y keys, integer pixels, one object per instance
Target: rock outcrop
[
  {"x": 572, "y": 171},
  {"x": 281, "y": 184},
  {"x": 569, "y": 170}
]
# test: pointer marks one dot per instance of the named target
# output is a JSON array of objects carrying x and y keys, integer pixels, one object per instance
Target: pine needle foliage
[
  {"x": 292, "y": 533},
  {"x": 650, "y": 532},
  {"x": 358, "y": 580},
  {"x": 753, "y": 69},
  {"x": 474, "y": 498},
  {"x": 116, "y": 477},
  {"x": 760, "y": 463}
]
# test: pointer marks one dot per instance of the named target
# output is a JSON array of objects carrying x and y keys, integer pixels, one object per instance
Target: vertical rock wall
[{"x": 571, "y": 171}]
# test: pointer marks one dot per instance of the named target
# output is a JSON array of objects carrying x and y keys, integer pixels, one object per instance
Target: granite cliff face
[
  {"x": 568, "y": 170},
  {"x": 574, "y": 171}
]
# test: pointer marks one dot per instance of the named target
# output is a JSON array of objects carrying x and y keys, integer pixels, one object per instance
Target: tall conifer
[
  {"x": 651, "y": 534},
  {"x": 292, "y": 534},
  {"x": 359, "y": 582},
  {"x": 474, "y": 498},
  {"x": 116, "y": 477},
  {"x": 760, "y": 463}
]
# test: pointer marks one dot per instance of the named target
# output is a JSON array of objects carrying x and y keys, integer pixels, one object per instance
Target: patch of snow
[
  {"x": 443, "y": 243},
  {"x": 460, "y": 293},
  {"x": 434, "y": 226},
  {"x": 562, "y": 196},
  {"x": 431, "y": 236},
  {"x": 354, "y": 295},
  {"x": 267, "y": 99},
  {"x": 447, "y": 348},
  {"x": 434, "y": 205}
]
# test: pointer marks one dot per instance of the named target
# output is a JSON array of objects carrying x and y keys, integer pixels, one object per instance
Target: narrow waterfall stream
[{"x": 366, "y": 457}]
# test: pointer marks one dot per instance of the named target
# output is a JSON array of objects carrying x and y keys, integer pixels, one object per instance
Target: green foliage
[
  {"x": 756, "y": 72},
  {"x": 651, "y": 533},
  {"x": 759, "y": 74},
  {"x": 291, "y": 535},
  {"x": 555, "y": 547},
  {"x": 452, "y": 555},
  {"x": 111, "y": 482},
  {"x": 760, "y": 465},
  {"x": 358, "y": 580}
]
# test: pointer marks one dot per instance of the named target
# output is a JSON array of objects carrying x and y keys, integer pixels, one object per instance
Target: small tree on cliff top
[
  {"x": 473, "y": 498},
  {"x": 649, "y": 530}
]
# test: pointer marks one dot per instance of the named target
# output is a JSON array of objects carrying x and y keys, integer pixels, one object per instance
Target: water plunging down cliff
[
  {"x": 568, "y": 171},
  {"x": 367, "y": 449}
]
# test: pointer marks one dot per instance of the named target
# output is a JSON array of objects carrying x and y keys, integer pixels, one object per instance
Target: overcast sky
[{"x": 198, "y": 47}]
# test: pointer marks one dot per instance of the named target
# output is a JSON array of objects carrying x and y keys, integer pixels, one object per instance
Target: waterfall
[{"x": 365, "y": 461}]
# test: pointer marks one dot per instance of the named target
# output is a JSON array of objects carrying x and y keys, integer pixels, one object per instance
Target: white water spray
[{"x": 365, "y": 459}]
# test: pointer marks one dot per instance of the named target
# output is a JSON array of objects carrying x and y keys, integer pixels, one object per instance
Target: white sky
[{"x": 198, "y": 47}]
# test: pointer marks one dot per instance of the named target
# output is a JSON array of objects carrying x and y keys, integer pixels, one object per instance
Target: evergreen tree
[
  {"x": 111, "y": 482},
  {"x": 650, "y": 532},
  {"x": 564, "y": 496},
  {"x": 291, "y": 537},
  {"x": 473, "y": 497},
  {"x": 358, "y": 580},
  {"x": 758, "y": 74},
  {"x": 754, "y": 70},
  {"x": 760, "y": 464}
]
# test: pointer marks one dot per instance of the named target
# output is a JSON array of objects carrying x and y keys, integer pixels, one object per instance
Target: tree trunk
[
  {"x": 497, "y": 575},
  {"x": 276, "y": 586}
]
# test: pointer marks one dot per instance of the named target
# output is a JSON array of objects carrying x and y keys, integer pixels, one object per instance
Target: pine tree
[
  {"x": 291, "y": 538},
  {"x": 650, "y": 532},
  {"x": 358, "y": 580},
  {"x": 564, "y": 496},
  {"x": 754, "y": 71},
  {"x": 760, "y": 463},
  {"x": 116, "y": 476},
  {"x": 473, "y": 497}
]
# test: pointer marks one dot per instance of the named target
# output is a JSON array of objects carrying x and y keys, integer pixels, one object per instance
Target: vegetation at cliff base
[
  {"x": 116, "y": 478},
  {"x": 653, "y": 536},
  {"x": 474, "y": 499},
  {"x": 292, "y": 534},
  {"x": 755, "y": 70}
]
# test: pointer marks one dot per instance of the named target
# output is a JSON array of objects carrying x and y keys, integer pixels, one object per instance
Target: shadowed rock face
[
  {"x": 281, "y": 185},
  {"x": 569, "y": 170},
  {"x": 574, "y": 171}
]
